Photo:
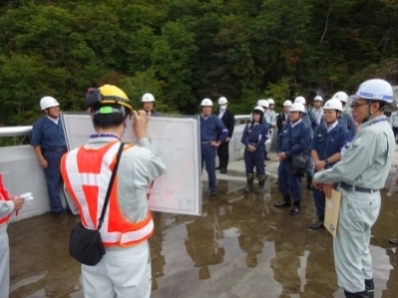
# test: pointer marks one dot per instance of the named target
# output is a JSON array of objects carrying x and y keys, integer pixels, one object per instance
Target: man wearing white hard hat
[
  {"x": 358, "y": 176},
  {"x": 309, "y": 119},
  {"x": 48, "y": 141},
  {"x": 283, "y": 118},
  {"x": 148, "y": 103},
  {"x": 271, "y": 104},
  {"x": 345, "y": 118},
  {"x": 293, "y": 141},
  {"x": 212, "y": 134},
  {"x": 327, "y": 143},
  {"x": 228, "y": 119},
  {"x": 317, "y": 110},
  {"x": 267, "y": 119},
  {"x": 394, "y": 121}
]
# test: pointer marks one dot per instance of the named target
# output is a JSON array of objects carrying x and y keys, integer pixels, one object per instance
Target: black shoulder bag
[
  {"x": 299, "y": 161},
  {"x": 85, "y": 245}
]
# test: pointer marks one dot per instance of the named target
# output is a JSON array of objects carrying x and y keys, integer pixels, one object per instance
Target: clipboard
[{"x": 332, "y": 208}]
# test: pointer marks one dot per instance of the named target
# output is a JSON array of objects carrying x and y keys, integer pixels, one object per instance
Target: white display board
[{"x": 177, "y": 141}]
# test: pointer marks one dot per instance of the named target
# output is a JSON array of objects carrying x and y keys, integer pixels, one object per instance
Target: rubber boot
[
  {"x": 370, "y": 287},
  {"x": 295, "y": 209},
  {"x": 261, "y": 184},
  {"x": 363, "y": 294},
  {"x": 249, "y": 183}
]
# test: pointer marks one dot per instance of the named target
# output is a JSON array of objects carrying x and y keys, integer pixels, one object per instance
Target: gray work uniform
[
  {"x": 364, "y": 167},
  {"x": 6, "y": 207}
]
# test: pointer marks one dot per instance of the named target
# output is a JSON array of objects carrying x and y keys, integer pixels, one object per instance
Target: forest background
[{"x": 185, "y": 50}]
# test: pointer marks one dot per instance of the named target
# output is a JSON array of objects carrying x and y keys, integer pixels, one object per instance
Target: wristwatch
[{"x": 326, "y": 162}]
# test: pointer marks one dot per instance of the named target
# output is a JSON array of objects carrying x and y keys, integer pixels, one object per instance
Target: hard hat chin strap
[{"x": 369, "y": 111}]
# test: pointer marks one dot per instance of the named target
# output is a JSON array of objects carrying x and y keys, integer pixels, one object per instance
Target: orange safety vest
[
  {"x": 87, "y": 173},
  {"x": 4, "y": 196}
]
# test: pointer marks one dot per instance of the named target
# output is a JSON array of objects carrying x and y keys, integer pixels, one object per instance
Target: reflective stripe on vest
[
  {"x": 87, "y": 173},
  {"x": 4, "y": 196}
]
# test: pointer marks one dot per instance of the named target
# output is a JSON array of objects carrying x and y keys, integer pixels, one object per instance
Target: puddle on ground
[{"x": 240, "y": 247}]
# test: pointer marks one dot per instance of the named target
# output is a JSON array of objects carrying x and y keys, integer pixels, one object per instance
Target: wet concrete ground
[{"x": 240, "y": 247}]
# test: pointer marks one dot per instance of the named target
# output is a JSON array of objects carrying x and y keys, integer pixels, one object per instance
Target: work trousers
[
  {"x": 4, "y": 265},
  {"x": 309, "y": 169},
  {"x": 353, "y": 262},
  {"x": 319, "y": 200},
  {"x": 54, "y": 179},
  {"x": 255, "y": 160},
  {"x": 288, "y": 184},
  {"x": 120, "y": 274},
  {"x": 209, "y": 158},
  {"x": 223, "y": 155}
]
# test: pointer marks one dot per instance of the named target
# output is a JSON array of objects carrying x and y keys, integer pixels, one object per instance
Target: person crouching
[{"x": 254, "y": 137}]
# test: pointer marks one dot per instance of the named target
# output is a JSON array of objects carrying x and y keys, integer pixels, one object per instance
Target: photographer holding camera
[{"x": 119, "y": 230}]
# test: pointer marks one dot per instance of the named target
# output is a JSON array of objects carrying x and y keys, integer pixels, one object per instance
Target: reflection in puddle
[{"x": 239, "y": 247}]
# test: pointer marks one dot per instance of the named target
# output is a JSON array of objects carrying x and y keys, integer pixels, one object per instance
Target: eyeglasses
[{"x": 357, "y": 105}]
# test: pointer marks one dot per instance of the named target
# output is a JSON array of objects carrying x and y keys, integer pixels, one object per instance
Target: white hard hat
[
  {"x": 376, "y": 89},
  {"x": 396, "y": 105},
  {"x": 148, "y": 97},
  {"x": 222, "y": 100},
  {"x": 258, "y": 108},
  {"x": 300, "y": 99},
  {"x": 318, "y": 98},
  {"x": 48, "y": 102},
  {"x": 333, "y": 104},
  {"x": 271, "y": 101},
  {"x": 263, "y": 103},
  {"x": 341, "y": 95},
  {"x": 287, "y": 103},
  {"x": 297, "y": 107},
  {"x": 206, "y": 103}
]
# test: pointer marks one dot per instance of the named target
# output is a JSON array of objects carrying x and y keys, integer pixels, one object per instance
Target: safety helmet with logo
[
  {"x": 206, "y": 103},
  {"x": 375, "y": 89},
  {"x": 318, "y": 98},
  {"x": 287, "y": 103},
  {"x": 297, "y": 107},
  {"x": 148, "y": 97},
  {"x": 263, "y": 103},
  {"x": 48, "y": 102},
  {"x": 270, "y": 101},
  {"x": 106, "y": 99},
  {"x": 300, "y": 99},
  {"x": 341, "y": 95},
  {"x": 333, "y": 104},
  {"x": 222, "y": 100}
]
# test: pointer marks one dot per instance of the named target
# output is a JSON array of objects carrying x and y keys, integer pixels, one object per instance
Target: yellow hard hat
[{"x": 114, "y": 95}]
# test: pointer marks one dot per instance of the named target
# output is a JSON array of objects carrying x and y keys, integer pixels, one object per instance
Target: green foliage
[{"x": 183, "y": 51}]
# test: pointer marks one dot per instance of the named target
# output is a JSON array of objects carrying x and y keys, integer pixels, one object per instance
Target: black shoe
[
  {"x": 317, "y": 225},
  {"x": 363, "y": 294},
  {"x": 213, "y": 193},
  {"x": 283, "y": 204},
  {"x": 249, "y": 183},
  {"x": 370, "y": 287},
  {"x": 393, "y": 241},
  {"x": 267, "y": 158},
  {"x": 218, "y": 168},
  {"x": 223, "y": 171},
  {"x": 295, "y": 210}
]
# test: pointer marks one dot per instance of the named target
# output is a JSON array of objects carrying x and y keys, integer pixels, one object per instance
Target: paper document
[
  {"x": 27, "y": 196},
  {"x": 332, "y": 208}
]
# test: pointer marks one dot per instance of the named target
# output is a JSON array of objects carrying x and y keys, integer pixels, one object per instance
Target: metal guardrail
[{"x": 17, "y": 131}]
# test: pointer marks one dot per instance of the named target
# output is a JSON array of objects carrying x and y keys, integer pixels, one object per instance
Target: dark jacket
[
  {"x": 294, "y": 141},
  {"x": 229, "y": 121},
  {"x": 279, "y": 120}
]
